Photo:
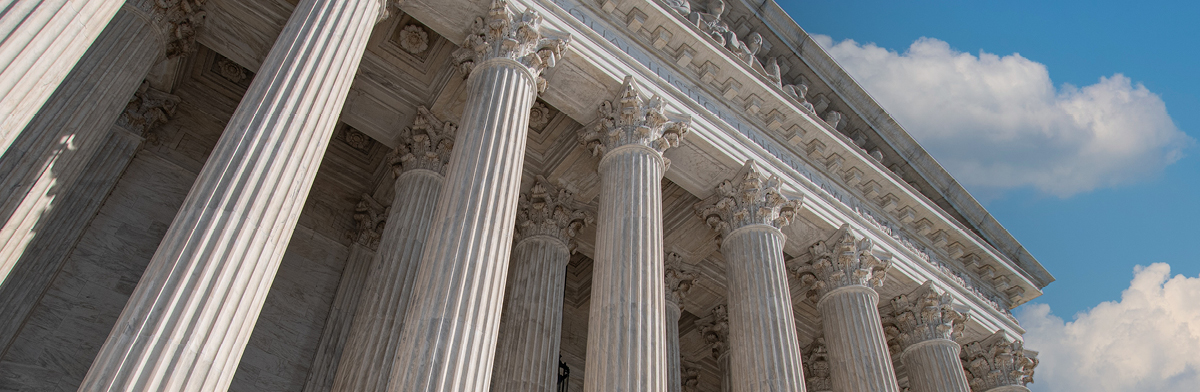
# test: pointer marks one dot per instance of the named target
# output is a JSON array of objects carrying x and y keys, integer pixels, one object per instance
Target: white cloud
[
  {"x": 1149, "y": 341},
  {"x": 998, "y": 122}
]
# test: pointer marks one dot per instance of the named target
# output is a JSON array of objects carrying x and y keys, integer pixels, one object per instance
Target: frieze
[{"x": 828, "y": 192}]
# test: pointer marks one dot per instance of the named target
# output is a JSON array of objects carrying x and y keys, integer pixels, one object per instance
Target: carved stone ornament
[
  {"x": 689, "y": 376},
  {"x": 182, "y": 19},
  {"x": 426, "y": 144},
  {"x": 683, "y": 7},
  {"x": 231, "y": 71},
  {"x": 414, "y": 39},
  {"x": 715, "y": 329},
  {"x": 549, "y": 211},
  {"x": 539, "y": 115},
  {"x": 148, "y": 110},
  {"x": 997, "y": 361},
  {"x": 369, "y": 218},
  {"x": 709, "y": 21},
  {"x": 679, "y": 280},
  {"x": 355, "y": 138},
  {"x": 752, "y": 197},
  {"x": 842, "y": 261},
  {"x": 925, "y": 314},
  {"x": 504, "y": 33},
  {"x": 631, "y": 119},
  {"x": 798, "y": 92},
  {"x": 816, "y": 367}
]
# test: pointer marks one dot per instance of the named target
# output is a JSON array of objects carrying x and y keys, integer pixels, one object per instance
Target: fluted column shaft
[
  {"x": 627, "y": 326},
  {"x": 40, "y": 41},
  {"x": 189, "y": 319},
  {"x": 451, "y": 327},
  {"x": 858, "y": 353},
  {"x": 674, "y": 376},
  {"x": 45, "y": 160},
  {"x": 49, "y": 250},
  {"x": 934, "y": 366},
  {"x": 366, "y": 364},
  {"x": 531, "y": 327},
  {"x": 763, "y": 349},
  {"x": 341, "y": 316}
]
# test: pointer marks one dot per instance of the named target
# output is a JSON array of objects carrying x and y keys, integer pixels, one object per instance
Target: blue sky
[{"x": 1093, "y": 235}]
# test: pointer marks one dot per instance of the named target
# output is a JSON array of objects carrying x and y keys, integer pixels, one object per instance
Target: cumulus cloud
[
  {"x": 1149, "y": 341},
  {"x": 999, "y": 123}
]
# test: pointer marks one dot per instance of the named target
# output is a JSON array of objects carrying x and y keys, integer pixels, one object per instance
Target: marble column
[
  {"x": 627, "y": 343},
  {"x": 451, "y": 327},
  {"x": 715, "y": 329},
  {"x": 40, "y": 41},
  {"x": 47, "y": 252},
  {"x": 419, "y": 166},
  {"x": 370, "y": 217},
  {"x": 926, "y": 326},
  {"x": 679, "y": 280},
  {"x": 531, "y": 324},
  {"x": 189, "y": 319},
  {"x": 45, "y": 161},
  {"x": 749, "y": 211},
  {"x": 842, "y": 280},
  {"x": 999, "y": 364},
  {"x": 816, "y": 367}
]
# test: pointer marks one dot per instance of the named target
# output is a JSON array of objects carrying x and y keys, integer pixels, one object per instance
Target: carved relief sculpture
[
  {"x": 998, "y": 361},
  {"x": 149, "y": 109},
  {"x": 506, "y": 34}
]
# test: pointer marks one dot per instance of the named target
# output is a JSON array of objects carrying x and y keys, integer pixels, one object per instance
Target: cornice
[{"x": 835, "y": 159}]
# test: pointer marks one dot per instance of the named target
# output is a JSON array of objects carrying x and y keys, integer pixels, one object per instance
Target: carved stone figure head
[
  {"x": 754, "y": 43},
  {"x": 716, "y": 7}
]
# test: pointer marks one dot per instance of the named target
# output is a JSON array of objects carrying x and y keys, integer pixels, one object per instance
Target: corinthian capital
[
  {"x": 842, "y": 261},
  {"x": 816, "y": 367},
  {"x": 549, "y": 211},
  {"x": 997, "y": 361},
  {"x": 369, "y": 218},
  {"x": 426, "y": 144},
  {"x": 631, "y": 119},
  {"x": 181, "y": 20},
  {"x": 679, "y": 280},
  {"x": 503, "y": 33},
  {"x": 715, "y": 329},
  {"x": 925, "y": 314},
  {"x": 751, "y": 198},
  {"x": 148, "y": 110}
]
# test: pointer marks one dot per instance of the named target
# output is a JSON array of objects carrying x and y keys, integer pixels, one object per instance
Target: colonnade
[{"x": 464, "y": 288}]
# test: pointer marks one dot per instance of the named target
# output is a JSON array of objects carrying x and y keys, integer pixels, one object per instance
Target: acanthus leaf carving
[
  {"x": 631, "y": 119},
  {"x": 753, "y": 197},
  {"x": 689, "y": 376},
  {"x": 842, "y": 261},
  {"x": 679, "y": 279},
  {"x": 998, "y": 361},
  {"x": 545, "y": 210},
  {"x": 182, "y": 20},
  {"x": 369, "y": 217},
  {"x": 816, "y": 366},
  {"x": 925, "y": 314},
  {"x": 503, "y": 33},
  {"x": 715, "y": 329},
  {"x": 147, "y": 110},
  {"x": 426, "y": 144}
]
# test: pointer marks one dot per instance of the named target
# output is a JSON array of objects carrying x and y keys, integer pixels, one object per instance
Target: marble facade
[{"x": 504, "y": 195}]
